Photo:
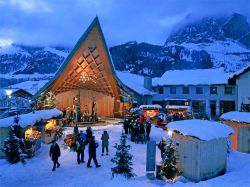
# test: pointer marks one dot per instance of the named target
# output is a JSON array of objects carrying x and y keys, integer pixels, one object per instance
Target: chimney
[{"x": 148, "y": 82}]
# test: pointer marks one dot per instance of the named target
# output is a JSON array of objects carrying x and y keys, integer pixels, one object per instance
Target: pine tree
[
  {"x": 13, "y": 147},
  {"x": 168, "y": 164},
  {"x": 122, "y": 159}
]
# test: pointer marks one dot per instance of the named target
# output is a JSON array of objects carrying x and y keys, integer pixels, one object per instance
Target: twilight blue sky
[{"x": 61, "y": 22}]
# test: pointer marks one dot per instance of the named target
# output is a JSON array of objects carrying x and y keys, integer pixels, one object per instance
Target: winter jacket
[
  {"x": 92, "y": 148},
  {"x": 81, "y": 145},
  {"x": 148, "y": 128},
  {"x": 162, "y": 147},
  {"x": 54, "y": 152},
  {"x": 105, "y": 140},
  {"x": 142, "y": 129},
  {"x": 89, "y": 133}
]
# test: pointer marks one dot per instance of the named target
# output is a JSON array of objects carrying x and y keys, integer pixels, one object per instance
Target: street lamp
[{"x": 8, "y": 93}]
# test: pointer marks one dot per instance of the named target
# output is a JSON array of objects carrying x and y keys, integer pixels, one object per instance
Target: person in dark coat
[
  {"x": 105, "y": 142},
  {"x": 125, "y": 126},
  {"x": 76, "y": 131},
  {"x": 80, "y": 149},
  {"x": 92, "y": 152},
  {"x": 55, "y": 153},
  {"x": 89, "y": 134},
  {"x": 162, "y": 146},
  {"x": 148, "y": 130},
  {"x": 142, "y": 132}
]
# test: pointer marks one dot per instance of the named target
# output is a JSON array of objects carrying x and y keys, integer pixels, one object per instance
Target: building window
[
  {"x": 160, "y": 90},
  {"x": 172, "y": 90},
  {"x": 228, "y": 90},
  {"x": 185, "y": 90},
  {"x": 199, "y": 90},
  {"x": 213, "y": 90}
]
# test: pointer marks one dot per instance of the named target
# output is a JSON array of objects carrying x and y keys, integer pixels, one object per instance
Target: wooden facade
[
  {"x": 89, "y": 70},
  {"x": 241, "y": 138}
]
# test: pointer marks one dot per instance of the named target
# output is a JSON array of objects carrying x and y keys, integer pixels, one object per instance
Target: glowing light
[
  {"x": 170, "y": 133},
  {"x": 8, "y": 92},
  {"x": 84, "y": 77}
]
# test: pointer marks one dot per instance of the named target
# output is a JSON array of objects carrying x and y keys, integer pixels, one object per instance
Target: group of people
[
  {"x": 82, "y": 139},
  {"x": 139, "y": 129}
]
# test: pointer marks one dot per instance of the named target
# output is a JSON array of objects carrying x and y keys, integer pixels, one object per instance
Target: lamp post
[{"x": 8, "y": 93}]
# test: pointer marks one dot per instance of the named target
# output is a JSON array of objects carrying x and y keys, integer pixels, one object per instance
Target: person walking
[
  {"x": 105, "y": 142},
  {"x": 54, "y": 153},
  {"x": 148, "y": 130},
  {"x": 92, "y": 152},
  {"x": 142, "y": 133},
  {"x": 80, "y": 149},
  {"x": 162, "y": 146},
  {"x": 89, "y": 134}
]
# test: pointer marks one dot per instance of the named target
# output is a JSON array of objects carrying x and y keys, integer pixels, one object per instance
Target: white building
[
  {"x": 242, "y": 81},
  {"x": 207, "y": 90}
]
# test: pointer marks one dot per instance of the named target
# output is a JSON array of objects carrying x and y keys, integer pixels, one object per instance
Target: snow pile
[
  {"x": 31, "y": 118},
  {"x": 134, "y": 82},
  {"x": 201, "y": 129},
  {"x": 150, "y": 106},
  {"x": 194, "y": 77},
  {"x": 236, "y": 116},
  {"x": 30, "y": 86}
]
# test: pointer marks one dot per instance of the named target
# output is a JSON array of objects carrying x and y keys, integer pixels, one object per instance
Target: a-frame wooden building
[{"x": 87, "y": 70}]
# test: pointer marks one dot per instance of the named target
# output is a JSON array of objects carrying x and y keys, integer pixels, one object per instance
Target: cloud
[{"x": 62, "y": 22}]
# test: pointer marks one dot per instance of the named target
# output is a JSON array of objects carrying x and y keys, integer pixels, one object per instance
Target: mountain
[
  {"x": 205, "y": 43},
  {"x": 195, "y": 43},
  {"x": 20, "y": 63}
]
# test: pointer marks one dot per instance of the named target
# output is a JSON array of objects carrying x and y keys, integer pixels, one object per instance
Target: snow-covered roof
[
  {"x": 134, "y": 82},
  {"x": 194, "y": 77},
  {"x": 30, "y": 86},
  {"x": 31, "y": 118},
  {"x": 241, "y": 71},
  {"x": 150, "y": 106},
  {"x": 237, "y": 116},
  {"x": 201, "y": 129}
]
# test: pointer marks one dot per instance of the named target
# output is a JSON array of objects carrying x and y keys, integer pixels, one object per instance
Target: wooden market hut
[
  {"x": 150, "y": 110},
  {"x": 201, "y": 147},
  {"x": 240, "y": 122},
  {"x": 88, "y": 74},
  {"x": 29, "y": 124}
]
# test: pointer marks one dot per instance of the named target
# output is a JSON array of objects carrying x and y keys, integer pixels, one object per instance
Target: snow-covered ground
[{"x": 37, "y": 171}]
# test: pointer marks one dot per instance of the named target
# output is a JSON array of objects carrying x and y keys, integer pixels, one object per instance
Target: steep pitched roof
[{"x": 89, "y": 60}]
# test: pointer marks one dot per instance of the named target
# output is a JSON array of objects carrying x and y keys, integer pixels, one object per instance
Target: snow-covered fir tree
[
  {"x": 168, "y": 164},
  {"x": 14, "y": 146},
  {"x": 122, "y": 159}
]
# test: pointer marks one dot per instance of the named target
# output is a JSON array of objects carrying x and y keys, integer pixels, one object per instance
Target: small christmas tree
[
  {"x": 122, "y": 159},
  {"x": 168, "y": 164},
  {"x": 13, "y": 147}
]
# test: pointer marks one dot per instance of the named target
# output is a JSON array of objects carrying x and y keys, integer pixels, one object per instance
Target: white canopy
[
  {"x": 31, "y": 118},
  {"x": 201, "y": 129},
  {"x": 237, "y": 116}
]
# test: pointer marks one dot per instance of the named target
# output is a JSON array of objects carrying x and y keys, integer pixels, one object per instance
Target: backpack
[{"x": 76, "y": 145}]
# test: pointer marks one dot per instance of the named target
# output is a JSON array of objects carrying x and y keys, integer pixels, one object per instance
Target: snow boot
[{"x": 98, "y": 166}]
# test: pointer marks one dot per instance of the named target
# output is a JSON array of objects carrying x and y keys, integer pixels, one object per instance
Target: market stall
[
  {"x": 50, "y": 130},
  {"x": 240, "y": 122},
  {"x": 150, "y": 110},
  {"x": 32, "y": 140}
]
